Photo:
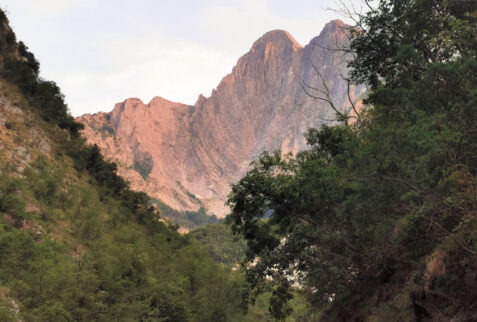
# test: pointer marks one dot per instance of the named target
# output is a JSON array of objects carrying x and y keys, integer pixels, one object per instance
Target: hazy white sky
[{"x": 101, "y": 52}]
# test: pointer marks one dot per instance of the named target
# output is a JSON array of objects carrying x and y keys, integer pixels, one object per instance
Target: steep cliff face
[{"x": 187, "y": 156}]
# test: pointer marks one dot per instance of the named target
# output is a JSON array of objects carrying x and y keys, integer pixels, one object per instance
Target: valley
[{"x": 335, "y": 181}]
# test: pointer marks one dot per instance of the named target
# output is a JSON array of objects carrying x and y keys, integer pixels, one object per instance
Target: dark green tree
[{"x": 372, "y": 199}]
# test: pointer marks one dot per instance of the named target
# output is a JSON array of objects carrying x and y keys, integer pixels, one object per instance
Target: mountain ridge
[{"x": 187, "y": 155}]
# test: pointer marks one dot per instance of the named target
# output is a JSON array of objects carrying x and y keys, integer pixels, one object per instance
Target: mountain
[
  {"x": 187, "y": 156},
  {"x": 75, "y": 243}
]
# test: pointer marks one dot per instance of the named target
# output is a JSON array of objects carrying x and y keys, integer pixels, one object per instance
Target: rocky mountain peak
[
  {"x": 188, "y": 156},
  {"x": 162, "y": 102},
  {"x": 334, "y": 33},
  {"x": 334, "y": 25},
  {"x": 133, "y": 101},
  {"x": 200, "y": 100},
  {"x": 280, "y": 39}
]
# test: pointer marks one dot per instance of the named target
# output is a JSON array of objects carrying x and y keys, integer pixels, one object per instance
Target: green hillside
[
  {"x": 222, "y": 245},
  {"x": 75, "y": 243}
]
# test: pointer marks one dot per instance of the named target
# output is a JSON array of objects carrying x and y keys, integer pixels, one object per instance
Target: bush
[
  {"x": 44, "y": 95},
  {"x": 10, "y": 202}
]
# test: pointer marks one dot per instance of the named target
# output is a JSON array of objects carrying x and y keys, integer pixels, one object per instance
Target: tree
[{"x": 370, "y": 200}]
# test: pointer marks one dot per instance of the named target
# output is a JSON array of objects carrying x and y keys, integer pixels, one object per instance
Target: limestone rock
[{"x": 188, "y": 156}]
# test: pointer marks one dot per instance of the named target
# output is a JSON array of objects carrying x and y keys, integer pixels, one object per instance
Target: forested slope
[
  {"x": 75, "y": 243},
  {"x": 222, "y": 245}
]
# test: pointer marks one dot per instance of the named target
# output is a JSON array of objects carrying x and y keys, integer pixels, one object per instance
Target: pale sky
[{"x": 101, "y": 52}]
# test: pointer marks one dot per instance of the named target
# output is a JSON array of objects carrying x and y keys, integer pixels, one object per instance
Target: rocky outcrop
[{"x": 187, "y": 156}]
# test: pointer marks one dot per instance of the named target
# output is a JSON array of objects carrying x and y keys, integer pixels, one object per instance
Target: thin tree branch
[{"x": 455, "y": 238}]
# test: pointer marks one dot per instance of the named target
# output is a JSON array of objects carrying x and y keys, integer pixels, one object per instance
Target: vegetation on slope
[
  {"x": 186, "y": 219},
  {"x": 378, "y": 219},
  {"x": 223, "y": 246},
  {"x": 76, "y": 244},
  {"x": 82, "y": 256}
]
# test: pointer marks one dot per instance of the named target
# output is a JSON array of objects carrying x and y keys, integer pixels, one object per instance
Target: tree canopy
[{"x": 369, "y": 202}]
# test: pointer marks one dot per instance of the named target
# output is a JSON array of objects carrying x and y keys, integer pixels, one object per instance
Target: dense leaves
[
  {"x": 219, "y": 241},
  {"x": 369, "y": 201},
  {"x": 187, "y": 219},
  {"x": 70, "y": 250},
  {"x": 20, "y": 67}
]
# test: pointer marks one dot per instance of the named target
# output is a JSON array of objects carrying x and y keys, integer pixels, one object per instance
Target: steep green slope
[{"x": 75, "y": 243}]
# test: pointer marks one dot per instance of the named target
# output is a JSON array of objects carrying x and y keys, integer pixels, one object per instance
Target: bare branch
[
  {"x": 358, "y": 117},
  {"x": 455, "y": 238},
  {"x": 326, "y": 95}
]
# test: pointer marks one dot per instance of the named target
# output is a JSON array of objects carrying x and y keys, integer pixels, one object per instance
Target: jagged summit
[
  {"x": 200, "y": 100},
  {"x": 159, "y": 100},
  {"x": 279, "y": 38},
  {"x": 132, "y": 104},
  {"x": 334, "y": 28},
  {"x": 334, "y": 32},
  {"x": 333, "y": 24},
  {"x": 133, "y": 101},
  {"x": 192, "y": 154}
]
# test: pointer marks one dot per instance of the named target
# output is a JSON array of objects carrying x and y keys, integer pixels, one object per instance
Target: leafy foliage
[
  {"x": 11, "y": 202},
  {"x": 76, "y": 244},
  {"x": 20, "y": 67},
  {"x": 369, "y": 202},
  {"x": 44, "y": 95},
  {"x": 187, "y": 219},
  {"x": 219, "y": 241},
  {"x": 73, "y": 249}
]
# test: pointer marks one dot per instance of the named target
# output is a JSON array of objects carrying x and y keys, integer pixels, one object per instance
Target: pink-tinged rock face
[{"x": 188, "y": 156}]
